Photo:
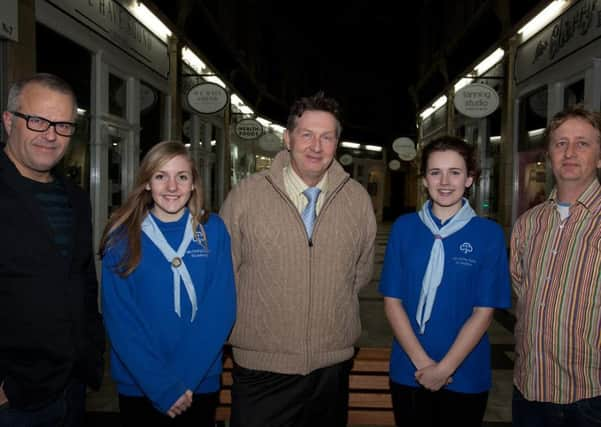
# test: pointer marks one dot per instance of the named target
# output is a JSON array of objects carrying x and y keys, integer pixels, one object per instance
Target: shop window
[
  {"x": 533, "y": 120},
  {"x": 73, "y": 64},
  {"x": 151, "y": 117},
  {"x": 574, "y": 94},
  {"x": 117, "y": 96},
  {"x": 491, "y": 167},
  {"x": 115, "y": 179},
  {"x": 534, "y": 181}
]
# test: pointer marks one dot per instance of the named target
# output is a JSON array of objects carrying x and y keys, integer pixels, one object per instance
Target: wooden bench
[{"x": 369, "y": 398}]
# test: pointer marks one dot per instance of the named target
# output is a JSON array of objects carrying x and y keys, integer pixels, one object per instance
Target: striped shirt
[
  {"x": 295, "y": 186},
  {"x": 54, "y": 203},
  {"x": 556, "y": 272}
]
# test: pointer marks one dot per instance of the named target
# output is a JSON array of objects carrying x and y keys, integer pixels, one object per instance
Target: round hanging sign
[
  {"x": 405, "y": 148},
  {"x": 207, "y": 98},
  {"x": 249, "y": 129},
  {"x": 270, "y": 142},
  {"x": 394, "y": 165},
  {"x": 346, "y": 159},
  {"x": 476, "y": 100}
]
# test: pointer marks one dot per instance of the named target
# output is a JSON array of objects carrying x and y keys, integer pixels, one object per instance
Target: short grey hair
[{"x": 46, "y": 80}]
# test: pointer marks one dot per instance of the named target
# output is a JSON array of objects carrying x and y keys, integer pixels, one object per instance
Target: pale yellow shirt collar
[{"x": 295, "y": 186}]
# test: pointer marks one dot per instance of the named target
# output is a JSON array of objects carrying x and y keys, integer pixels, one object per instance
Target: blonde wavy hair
[{"x": 126, "y": 221}]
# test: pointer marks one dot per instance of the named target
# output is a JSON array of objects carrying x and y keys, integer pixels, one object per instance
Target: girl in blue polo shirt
[
  {"x": 444, "y": 272},
  {"x": 168, "y": 295}
]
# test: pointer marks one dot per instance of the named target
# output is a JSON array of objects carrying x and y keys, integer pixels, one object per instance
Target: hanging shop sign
[
  {"x": 405, "y": 148},
  {"x": 9, "y": 22},
  {"x": 476, "y": 100},
  {"x": 270, "y": 142},
  {"x": 577, "y": 27},
  {"x": 394, "y": 165},
  {"x": 346, "y": 159},
  {"x": 207, "y": 98},
  {"x": 249, "y": 129}
]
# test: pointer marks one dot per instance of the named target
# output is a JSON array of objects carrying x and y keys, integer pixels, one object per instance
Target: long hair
[{"x": 126, "y": 221}]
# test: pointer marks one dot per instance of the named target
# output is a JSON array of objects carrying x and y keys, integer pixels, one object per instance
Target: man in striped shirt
[{"x": 556, "y": 273}]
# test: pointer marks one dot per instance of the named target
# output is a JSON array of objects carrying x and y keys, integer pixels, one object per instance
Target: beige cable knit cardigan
[{"x": 298, "y": 306}]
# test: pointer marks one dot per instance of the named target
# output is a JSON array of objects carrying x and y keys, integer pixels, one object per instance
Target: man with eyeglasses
[{"x": 51, "y": 338}]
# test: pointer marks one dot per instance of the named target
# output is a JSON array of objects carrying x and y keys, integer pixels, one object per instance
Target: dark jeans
[
  {"x": 66, "y": 411},
  {"x": 139, "y": 411},
  {"x": 583, "y": 413},
  {"x": 268, "y": 399},
  {"x": 417, "y": 406}
]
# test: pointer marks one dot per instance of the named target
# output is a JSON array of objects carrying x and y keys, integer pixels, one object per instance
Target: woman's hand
[
  {"x": 433, "y": 377},
  {"x": 181, "y": 404}
]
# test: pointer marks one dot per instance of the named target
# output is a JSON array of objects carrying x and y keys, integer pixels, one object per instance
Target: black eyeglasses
[{"x": 40, "y": 124}]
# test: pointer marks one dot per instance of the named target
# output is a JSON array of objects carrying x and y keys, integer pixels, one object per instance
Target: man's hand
[{"x": 181, "y": 404}]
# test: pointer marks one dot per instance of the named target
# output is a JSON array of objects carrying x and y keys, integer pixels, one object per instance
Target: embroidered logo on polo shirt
[{"x": 466, "y": 248}]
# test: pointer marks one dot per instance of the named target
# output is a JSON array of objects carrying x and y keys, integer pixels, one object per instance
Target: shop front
[
  {"x": 557, "y": 67},
  {"x": 119, "y": 71}
]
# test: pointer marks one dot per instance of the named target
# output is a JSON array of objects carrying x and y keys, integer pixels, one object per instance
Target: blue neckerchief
[
  {"x": 434, "y": 271},
  {"x": 175, "y": 259}
]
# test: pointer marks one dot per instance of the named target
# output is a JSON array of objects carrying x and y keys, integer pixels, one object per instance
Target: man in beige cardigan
[{"x": 303, "y": 237}]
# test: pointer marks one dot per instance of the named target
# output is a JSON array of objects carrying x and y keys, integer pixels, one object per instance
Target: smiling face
[
  {"x": 446, "y": 179},
  {"x": 575, "y": 154},
  {"x": 171, "y": 187},
  {"x": 312, "y": 145},
  {"x": 36, "y": 153}
]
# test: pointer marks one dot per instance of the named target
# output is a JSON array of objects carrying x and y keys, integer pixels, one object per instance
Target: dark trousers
[
  {"x": 139, "y": 411},
  {"x": 65, "y": 411},
  {"x": 415, "y": 406},
  {"x": 267, "y": 399},
  {"x": 583, "y": 413}
]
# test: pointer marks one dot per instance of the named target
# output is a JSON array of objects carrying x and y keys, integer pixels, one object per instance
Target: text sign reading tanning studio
[{"x": 476, "y": 100}]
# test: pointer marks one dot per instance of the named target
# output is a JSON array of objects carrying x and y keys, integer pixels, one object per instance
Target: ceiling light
[
  {"x": 347, "y": 144},
  {"x": 373, "y": 148},
  {"x": 278, "y": 128},
  {"x": 245, "y": 109},
  {"x": 489, "y": 62},
  {"x": 547, "y": 15},
  {"x": 462, "y": 83},
  {"x": 439, "y": 102},
  {"x": 263, "y": 121},
  {"x": 235, "y": 99},
  {"x": 150, "y": 20},
  {"x": 426, "y": 113},
  {"x": 216, "y": 80},
  {"x": 192, "y": 60},
  {"x": 536, "y": 132}
]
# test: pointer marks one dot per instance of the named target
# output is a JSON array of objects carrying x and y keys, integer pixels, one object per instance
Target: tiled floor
[{"x": 102, "y": 405}]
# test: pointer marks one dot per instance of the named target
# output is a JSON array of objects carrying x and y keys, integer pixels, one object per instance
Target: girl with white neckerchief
[
  {"x": 168, "y": 295},
  {"x": 444, "y": 272}
]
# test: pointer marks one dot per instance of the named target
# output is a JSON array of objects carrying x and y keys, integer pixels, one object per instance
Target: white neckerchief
[
  {"x": 175, "y": 259},
  {"x": 434, "y": 271}
]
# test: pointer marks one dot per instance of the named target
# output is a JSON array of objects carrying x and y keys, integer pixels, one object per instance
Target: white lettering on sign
[
  {"x": 476, "y": 100},
  {"x": 207, "y": 98},
  {"x": 249, "y": 129}
]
